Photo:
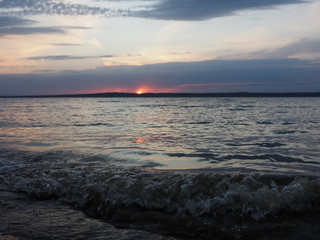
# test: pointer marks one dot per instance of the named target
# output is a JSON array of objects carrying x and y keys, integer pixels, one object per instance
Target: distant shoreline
[{"x": 170, "y": 95}]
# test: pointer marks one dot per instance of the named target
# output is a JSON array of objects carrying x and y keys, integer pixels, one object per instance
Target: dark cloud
[
  {"x": 66, "y": 57},
  {"x": 44, "y": 71},
  {"x": 17, "y": 26},
  {"x": 50, "y": 7},
  {"x": 30, "y": 30},
  {"x": 20, "y": 26},
  {"x": 5, "y": 31},
  {"x": 6, "y": 21},
  {"x": 160, "y": 9},
  {"x": 205, "y": 9},
  {"x": 269, "y": 75}
]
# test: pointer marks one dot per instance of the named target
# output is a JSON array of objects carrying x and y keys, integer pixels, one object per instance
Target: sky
[{"x": 91, "y": 46}]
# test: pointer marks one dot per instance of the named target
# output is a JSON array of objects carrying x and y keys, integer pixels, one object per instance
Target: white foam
[{"x": 191, "y": 194}]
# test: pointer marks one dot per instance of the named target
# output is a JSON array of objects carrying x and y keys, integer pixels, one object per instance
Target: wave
[
  {"x": 284, "y": 131},
  {"x": 262, "y": 144},
  {"x": 198, "y": 123},
  {"x": 92, "y": 124},
  {"x": 238, "y": 109},
  {"x": 209, "y": 156},
  {"x": 173, "y": 202},
  {"x": 158, "y": 105},
  {"x": 270, "y": 157},
  {"x": 265, "y": 122},
  {"x": 287, "y": 123}
]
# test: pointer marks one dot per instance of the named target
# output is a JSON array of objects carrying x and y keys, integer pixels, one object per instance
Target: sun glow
[{"x": 144, "y": 89}]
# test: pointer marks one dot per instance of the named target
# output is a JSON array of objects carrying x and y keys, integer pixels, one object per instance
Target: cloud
[
  {"x": 7, "y": 21},
  {"x": 11, "y": 22},
  {"x": 66, "y": 44},
  {"x": 305, "y": 46},
  {"x": 179, "y": 53},
  {"x": 5, "y": 31},
  {"x": 30, "y": 30},
  {"x": 257, "y": 75},
  {"x": 19, "y": 26},
  {"x": 66, "y": 57},
  {"x": 187, "y": 10},
  {"x": 50, "y": 7},
  {"x": 204, "y": 9}
]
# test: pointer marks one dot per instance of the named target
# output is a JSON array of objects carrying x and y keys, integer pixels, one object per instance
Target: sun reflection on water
[{"x": 140, "y": 140}]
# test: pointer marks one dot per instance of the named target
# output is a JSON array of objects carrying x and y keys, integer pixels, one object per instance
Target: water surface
[
  {"x": 195, "y": 168},
  {"x": 224, "y": 134}
]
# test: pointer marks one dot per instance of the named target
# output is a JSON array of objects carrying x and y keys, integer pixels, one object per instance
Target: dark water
[
  {"x": 26, "y": 218},
  {"x": 203, "y": 168}
]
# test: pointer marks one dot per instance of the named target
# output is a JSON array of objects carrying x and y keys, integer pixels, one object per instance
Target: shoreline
[
  {"x": 27, "y": 218},
  {"x": 65, "y": 199}
]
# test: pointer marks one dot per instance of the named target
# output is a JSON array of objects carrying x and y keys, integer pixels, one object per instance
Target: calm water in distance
[{"x": 271, "y": 135}]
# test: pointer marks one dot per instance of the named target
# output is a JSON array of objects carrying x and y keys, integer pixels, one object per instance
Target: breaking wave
[{"x": 174, "y": 202}]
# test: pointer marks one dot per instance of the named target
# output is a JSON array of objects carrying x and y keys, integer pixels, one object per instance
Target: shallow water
[
  {"x": 202, "y": 168},
  {"x": 27, "y": 218},
  {"x": 189, "y": 205}
]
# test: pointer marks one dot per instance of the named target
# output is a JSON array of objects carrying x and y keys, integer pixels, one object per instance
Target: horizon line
[{"x": 172, "y": 94}]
